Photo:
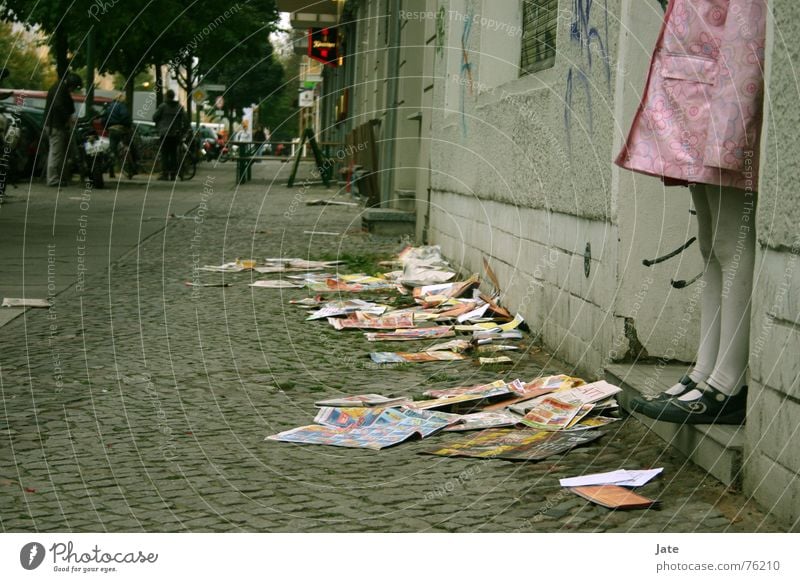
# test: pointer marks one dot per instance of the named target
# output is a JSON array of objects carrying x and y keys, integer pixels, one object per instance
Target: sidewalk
[{"x": 136, "y": 403}]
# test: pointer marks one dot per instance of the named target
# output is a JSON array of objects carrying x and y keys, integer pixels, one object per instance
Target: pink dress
[{"x": 700, "y": 116}]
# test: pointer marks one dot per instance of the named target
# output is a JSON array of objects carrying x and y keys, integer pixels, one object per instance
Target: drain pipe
[{"x": 390, "y": 132}]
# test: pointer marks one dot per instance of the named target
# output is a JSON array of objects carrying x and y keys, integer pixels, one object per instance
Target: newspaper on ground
[
  {"x": 621, "y": 477},
  {"x": 414, "y": 334},
  {"x": 483, "y": 420},
  {"x": 567, "y": 389},
  {"x": 275, "y": 284},
  {"x": 497, "y": 360},
  {"x": 224, "y": 268},
  {"x": 515, "y": 444},
  {"x": 359, "y": 320},
  {"x": 551, "y": 414},
  {"x": 365, "y": 400},
  {"x": 592, "y": 422},
  {"x": 372, "y": 431},
  {"x": 614, "y": 497},
  {"x": 414, "y": 357},
  {"x": 24, "y": 302},
  {"x": 456, "y": 345}
]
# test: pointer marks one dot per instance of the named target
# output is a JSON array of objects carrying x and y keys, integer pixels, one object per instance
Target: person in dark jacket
[
  {"x": 171, "y": 123},
  {"x": 59, "y": 110},
  {"x": 117, "y": 121}
]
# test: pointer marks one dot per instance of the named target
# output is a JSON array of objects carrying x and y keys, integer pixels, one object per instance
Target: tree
[
  {"x": 249, "y": 81},
  {"x": 191, "y": 36},
  {"x": 28, "y": 70}
]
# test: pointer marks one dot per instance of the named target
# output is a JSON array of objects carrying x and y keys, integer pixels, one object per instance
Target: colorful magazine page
[
  {"x": 358, "y": 321},
  {"x": 347, "y": 417},
  {"x": 592, "y": 422},
  {"x": 582, "y": 413},
  {"x": 551, "y": 414},
  {"x": 392, "y": 426},
  {"x": 476, "y": 313},
  {"x": 362, "y": 400},
  {"x": 414, "y": 357},
  {"x": 456, "y": 345},
  {"x": 415, "y": 334},
  {"x": 483, "y": 420},
  {"x": 457, "y": 399},
  {"x": 589, "y": 393},
  {"x": 496, "y": 388},
  {"x": 614, "y": 497},
  {"x": 275, "y": 284},
  {"x": 372, "y": 437},
  {"x": 539, "y": 388},
  {"x": 515, "y": 444}
]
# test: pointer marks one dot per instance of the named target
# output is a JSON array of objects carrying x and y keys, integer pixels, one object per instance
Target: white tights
[{"x": 726, "y": 232}]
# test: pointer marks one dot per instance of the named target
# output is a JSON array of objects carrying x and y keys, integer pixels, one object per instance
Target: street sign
[
  {"x": 199, "y": 95},
  {"x": 306, "y": 99},
  {"x": 323, "y": 46},
  {"x": 219, "y": 102},
  {"x": 213, "y": 87}
]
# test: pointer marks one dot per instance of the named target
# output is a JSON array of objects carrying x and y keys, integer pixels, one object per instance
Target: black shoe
[
  {"x": 639, "y": 403},
  {"x": 713, "y": 407}
]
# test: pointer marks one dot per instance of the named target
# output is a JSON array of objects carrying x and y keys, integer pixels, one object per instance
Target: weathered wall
[
  {"x": 773, "y": 430},
  {"x": 529, "y": 158}
]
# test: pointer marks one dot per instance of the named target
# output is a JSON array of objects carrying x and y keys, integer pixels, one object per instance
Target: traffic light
[{"x": 323, "y": 46}]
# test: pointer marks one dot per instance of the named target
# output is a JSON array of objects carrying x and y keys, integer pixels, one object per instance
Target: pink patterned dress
[{"x": 700, "y": 116}]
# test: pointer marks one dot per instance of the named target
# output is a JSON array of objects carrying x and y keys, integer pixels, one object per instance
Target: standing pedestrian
[
  {"x": 59, "y": 111},
  {"x": 117, "y": 121},
  {"x": 171, "y": 123},
  {"x": 698, "y": 125}
]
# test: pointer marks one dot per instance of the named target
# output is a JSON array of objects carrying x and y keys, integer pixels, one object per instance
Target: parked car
[{"x": 30, "y": 107}]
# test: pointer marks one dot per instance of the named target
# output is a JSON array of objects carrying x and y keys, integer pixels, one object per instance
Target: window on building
[{"x": 539, "y": 23}]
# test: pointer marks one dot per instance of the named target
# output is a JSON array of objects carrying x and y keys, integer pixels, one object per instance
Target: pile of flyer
[{"x": 374, "y": 421}]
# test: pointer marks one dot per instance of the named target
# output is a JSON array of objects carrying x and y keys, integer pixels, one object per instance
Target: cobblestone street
[{"x": 137, "y": 403}]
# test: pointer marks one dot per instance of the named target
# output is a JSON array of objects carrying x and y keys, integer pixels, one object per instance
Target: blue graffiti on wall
[
  {"x": 466, "y": 68},
  {"x": 594, "y": 44}
]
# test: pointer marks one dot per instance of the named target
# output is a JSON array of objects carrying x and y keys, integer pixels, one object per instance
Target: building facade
[{"x": 499, "y": 121}]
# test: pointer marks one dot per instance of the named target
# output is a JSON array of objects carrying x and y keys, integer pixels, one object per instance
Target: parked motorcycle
[{"x": 9, "y": 143}]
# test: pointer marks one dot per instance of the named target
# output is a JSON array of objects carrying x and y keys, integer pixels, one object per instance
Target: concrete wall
[
  {"x": 522, "y": 174},
  {"x": 772, "y": 454}
]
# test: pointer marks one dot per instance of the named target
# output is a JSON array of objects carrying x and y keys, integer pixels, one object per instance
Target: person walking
[
  {"x": 59, "y": 111},
  {"x": 171, "y": 123},
  {"x": 699, "y": 125}
]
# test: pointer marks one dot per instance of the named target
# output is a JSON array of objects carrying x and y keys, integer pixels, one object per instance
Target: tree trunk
[
  {"x": 60, "y": 48},
  {"x": 189, "y": 87},
  {"x": 129, "y": 92},
  {"x": 159, "y": 88}
]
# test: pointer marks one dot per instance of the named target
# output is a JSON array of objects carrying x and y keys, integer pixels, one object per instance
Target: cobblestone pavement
[{"x": 140, "y": 404}]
